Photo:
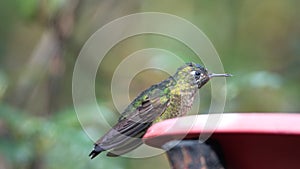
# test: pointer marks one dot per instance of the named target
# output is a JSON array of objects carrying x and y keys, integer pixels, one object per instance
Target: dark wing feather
[
  {"x": 126, "y": 134},
  {"x": 124, "y": 148}
]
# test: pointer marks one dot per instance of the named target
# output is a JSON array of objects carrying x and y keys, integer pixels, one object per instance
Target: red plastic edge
[{"x": 238, "y": 123}]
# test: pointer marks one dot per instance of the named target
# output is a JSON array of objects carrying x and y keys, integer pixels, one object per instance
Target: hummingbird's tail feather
[{"x": 97, "y": 150}]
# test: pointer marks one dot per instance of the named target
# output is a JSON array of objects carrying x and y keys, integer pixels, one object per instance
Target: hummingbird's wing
[{"x": 127, "y": 133}]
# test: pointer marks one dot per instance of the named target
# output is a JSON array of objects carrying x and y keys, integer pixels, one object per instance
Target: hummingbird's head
[{"x": 198, "y": 75}]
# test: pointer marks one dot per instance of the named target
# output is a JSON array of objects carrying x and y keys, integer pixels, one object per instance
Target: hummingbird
[{"x": 173, "y": 97}]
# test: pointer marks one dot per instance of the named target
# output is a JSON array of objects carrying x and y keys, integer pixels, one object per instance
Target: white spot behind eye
[{"x": 193, "y": 72}]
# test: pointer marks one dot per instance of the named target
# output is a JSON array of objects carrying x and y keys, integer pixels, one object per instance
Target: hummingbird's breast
[{"x": 181, "y": 101}]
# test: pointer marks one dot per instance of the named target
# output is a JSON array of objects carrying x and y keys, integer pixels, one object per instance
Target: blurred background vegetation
[{"x": 258, "y": 42}]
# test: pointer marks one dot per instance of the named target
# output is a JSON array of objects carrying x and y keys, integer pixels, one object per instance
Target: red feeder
[{"x": 245, "y": 140}]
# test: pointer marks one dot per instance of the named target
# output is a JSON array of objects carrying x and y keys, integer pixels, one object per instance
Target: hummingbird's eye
[{"x": 197, "y": 73}]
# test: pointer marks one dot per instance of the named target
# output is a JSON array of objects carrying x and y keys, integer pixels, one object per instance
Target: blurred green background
[{"x": 258, "y": 42}]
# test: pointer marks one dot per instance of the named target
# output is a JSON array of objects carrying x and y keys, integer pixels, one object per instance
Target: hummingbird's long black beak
[{"x": 211, "y": 75}]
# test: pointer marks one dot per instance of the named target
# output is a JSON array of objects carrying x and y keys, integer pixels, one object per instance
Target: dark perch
[{"x": 191, "y": 154}]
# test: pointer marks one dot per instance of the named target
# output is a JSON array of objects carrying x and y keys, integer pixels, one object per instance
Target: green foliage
[
  {"x": 59, "y": 141},
  {"x": 28, "y": 8}
]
